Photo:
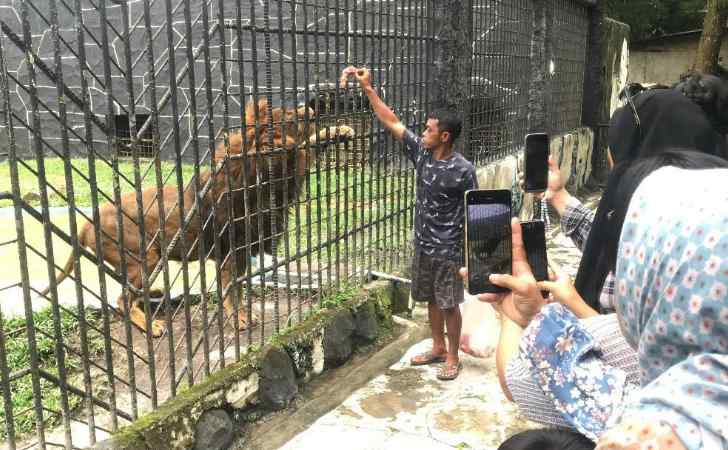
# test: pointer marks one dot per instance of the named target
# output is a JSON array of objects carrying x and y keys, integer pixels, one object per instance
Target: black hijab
[{"x": 667, "y": 120}]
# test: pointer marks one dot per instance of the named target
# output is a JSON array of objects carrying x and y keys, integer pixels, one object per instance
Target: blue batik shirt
[{"x": 440, "y": 199}]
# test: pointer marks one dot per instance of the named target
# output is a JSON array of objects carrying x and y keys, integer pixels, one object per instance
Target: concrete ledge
[
  {"x": 572, "y": 151},
  {"x": 324, "y": 394},
  {"x": 239, "y": 387}
]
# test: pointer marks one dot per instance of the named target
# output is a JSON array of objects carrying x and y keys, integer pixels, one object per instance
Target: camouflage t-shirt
[{"x": 439, "y": 203}]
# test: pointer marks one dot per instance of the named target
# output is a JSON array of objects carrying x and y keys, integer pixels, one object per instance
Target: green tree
[{"x": 714, "y": 30}]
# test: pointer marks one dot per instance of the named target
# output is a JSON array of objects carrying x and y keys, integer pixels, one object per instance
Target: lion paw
[
  {"x": 345, "y": 131},
  {"x": 158, "y": 327},
  {"x": 341, "y": 133},
  {"x": 243, "y": 320}
]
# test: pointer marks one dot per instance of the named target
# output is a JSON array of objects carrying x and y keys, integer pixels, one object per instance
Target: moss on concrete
[{"x": 172, "y": 425}]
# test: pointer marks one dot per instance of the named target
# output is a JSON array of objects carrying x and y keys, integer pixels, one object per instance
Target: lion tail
[{"x": 68, "y": 267}]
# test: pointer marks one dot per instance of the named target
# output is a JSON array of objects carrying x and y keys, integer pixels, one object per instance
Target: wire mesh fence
[
  {"x": 196, "y": 173},
  {"x": 501, "y": 75}
]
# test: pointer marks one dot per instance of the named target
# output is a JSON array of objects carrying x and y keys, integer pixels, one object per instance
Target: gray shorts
[{"x": 436, "y": 280}]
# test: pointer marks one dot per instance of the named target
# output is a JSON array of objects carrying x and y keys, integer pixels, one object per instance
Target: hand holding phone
[
  {"x": 536, "y": 162},
  {"x": 522, "y": 299},
  {"x": 487, "y": 238}
]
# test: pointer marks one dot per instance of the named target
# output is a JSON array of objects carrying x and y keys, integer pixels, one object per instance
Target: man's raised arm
[{"x": 383, "y": 112}]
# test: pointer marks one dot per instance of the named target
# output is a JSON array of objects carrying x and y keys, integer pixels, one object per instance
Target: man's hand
[
  {"x": 525, "y": 300},
  {"x": 383, "y": 112},
  {"x": 361, "y": 74}
]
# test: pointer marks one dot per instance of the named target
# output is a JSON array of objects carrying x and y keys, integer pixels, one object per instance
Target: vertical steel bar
[
  {"x": 47, "y": 234},
  {"x": 258, "y": 168},
  {"x": 213, "y": 200},
  {"x": 358, "y": 142},
  {"x": 112, "y": 149},
  {"x": 143, "y": 237},
  {"x": 270, "y": 163},
  {"x": 317, "y": 150},
  {"x": 213, "y": 173},
  {"x": 163, "y": 238},
  {"x": 245, "y": 173},
  {"x": 337, "y": 148},
  {"x": 91, "y": 158},
  {"x": 7, "y": 123},
  {"x": 327, "y": 158},
  {"x": 13, "y": 157},
  {"x": 195, "y": 143},
  {"x": 308, "y": 198},
  {"x": 303, "y": 147},
  {"x": 73, "y": 228},
  {"x": 286, "y": 178},
  {"x": 234, "y": 289}
]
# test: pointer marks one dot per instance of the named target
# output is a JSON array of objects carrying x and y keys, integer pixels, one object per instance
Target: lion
[{"x": 283, "y": 167}]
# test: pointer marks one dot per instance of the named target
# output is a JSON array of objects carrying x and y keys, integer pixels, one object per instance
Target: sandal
[
  {"x": 426, "y": 358},
  {"x": 449, "y": 371}
]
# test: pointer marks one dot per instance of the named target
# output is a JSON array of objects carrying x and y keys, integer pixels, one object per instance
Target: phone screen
[
  {"x": 488, "y": 238},
  {"x": 534, "y": 240},
  {"x": 536, "y": 162}
]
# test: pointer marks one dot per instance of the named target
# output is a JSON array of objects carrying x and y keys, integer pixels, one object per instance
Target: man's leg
[
  {"x": 437, "y": 329},
  {"x": 454, "y": 322}
]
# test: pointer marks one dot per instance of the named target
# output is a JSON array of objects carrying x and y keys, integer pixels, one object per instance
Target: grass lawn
[
  {"x": 362, "y": 194},
  {"x": 18, "y": 358},
  {"x": 55, "y": 175}
]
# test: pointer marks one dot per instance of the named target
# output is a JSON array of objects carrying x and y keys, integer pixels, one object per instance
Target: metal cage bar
[{"x": 138, "y": 124}]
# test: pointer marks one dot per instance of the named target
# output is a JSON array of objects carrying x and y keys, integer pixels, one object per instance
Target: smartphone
[
  {"x": 487, "y": 238},
  {"x": 534, "y": 240},
  {"x": 536, "y": 162}
]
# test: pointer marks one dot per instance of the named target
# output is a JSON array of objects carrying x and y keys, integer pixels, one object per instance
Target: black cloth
[
  {"x": 668, "y": 120},
  {"x": 440, "y": 199}
]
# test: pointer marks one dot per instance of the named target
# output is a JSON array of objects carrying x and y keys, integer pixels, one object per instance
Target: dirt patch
[
  {"x": 404, "y": 394},
  {"x": 464, "y": 420},
  {"x": 344, "y": 411},
  {"x": 407, "y": 380},
  {"x": 387, "y": 405}
]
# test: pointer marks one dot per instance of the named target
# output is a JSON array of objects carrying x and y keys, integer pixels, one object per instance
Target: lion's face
[{"x": 296, "y": 123}]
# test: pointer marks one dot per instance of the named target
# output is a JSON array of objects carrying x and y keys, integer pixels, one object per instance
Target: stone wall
[
  {"x": 572, "y": 151},
  {"x": 664, "y": 60}
]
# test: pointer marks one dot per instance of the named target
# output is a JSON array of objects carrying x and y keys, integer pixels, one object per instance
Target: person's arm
[
  {"x": 383, "y": 112},
  {"x": 565, "y": 360},
  {"x": 564, "y": 292},
  {"x": 576, "y": 221},
  {"x": 508, "y": 341}
]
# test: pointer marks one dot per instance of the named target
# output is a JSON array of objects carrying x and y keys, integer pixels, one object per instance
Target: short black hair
[
  {"x": 447, "y": 120},
  {"x": 547, "y": 439}
]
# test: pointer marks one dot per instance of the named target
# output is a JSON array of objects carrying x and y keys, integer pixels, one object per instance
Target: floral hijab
[{"x": 672, "y": 299}]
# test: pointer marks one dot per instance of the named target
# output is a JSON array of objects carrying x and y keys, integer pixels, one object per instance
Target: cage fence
[{"x": 205, "y": 150}]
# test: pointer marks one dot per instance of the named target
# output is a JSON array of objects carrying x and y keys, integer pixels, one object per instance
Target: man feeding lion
[{"x": 443, "y": 176}]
